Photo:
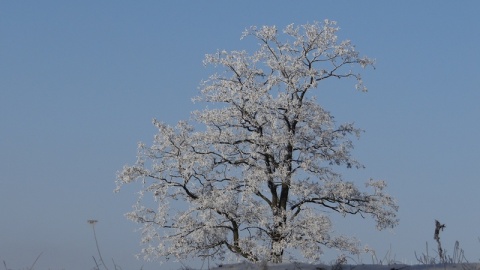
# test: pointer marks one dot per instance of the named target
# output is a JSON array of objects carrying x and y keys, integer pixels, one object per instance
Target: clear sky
[{"x": 80, "y": 82}]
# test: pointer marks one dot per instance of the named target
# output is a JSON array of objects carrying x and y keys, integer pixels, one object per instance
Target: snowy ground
[{"x": 303, "y": 266}]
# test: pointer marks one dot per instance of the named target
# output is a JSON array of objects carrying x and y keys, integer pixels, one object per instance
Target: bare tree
[{"x": 253, "y": 181}]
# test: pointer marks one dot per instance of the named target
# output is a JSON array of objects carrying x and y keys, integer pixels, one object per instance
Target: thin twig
[
  {"x": 115, "y": 266},
  {"x": 31, "y": 267},
  {"x": 93, "y": 221},
  {"x": 98, "y": 267}
]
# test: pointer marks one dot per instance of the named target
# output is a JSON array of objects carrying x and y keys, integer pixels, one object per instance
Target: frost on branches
[{"x": 258, "y": 179}]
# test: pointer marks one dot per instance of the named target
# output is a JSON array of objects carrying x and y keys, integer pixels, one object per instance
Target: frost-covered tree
[{"x": 259, "y": 179}]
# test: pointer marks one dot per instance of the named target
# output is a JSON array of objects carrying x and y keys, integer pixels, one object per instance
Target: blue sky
[{"x": 80, "y": 82}]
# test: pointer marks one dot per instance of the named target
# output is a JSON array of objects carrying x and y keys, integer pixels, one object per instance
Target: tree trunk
[
  {"x": 277, "y": 250},
  {"x": 277, "y": 257}
]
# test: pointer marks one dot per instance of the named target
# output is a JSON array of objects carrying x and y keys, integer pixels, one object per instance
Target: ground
[{"x": 303, "y": 266}]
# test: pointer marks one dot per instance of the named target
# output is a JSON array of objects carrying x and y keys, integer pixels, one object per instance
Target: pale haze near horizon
[{"x": 81, "y": 81}]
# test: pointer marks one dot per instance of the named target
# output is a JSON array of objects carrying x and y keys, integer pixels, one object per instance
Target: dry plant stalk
[{"x": 439, "y": 227}]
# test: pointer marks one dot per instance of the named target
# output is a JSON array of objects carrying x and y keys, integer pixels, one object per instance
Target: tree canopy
[{"x": 259, "y": 179}]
